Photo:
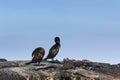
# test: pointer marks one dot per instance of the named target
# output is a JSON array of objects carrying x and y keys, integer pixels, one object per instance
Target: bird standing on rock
[
  {"x": 37, "y": 55},
  {"x": 54, "y": 49}
]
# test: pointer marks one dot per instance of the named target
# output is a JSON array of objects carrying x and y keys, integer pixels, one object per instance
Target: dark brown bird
[
  {"x": 54, "y": 49},
  {"x": 37, "y": 55}
]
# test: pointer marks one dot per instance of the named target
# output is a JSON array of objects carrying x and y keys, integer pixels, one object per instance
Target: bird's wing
[{"x": 53, "y": 51}]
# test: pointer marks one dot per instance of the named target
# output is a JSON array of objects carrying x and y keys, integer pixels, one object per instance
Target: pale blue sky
[{"x": 89, "y": 29}]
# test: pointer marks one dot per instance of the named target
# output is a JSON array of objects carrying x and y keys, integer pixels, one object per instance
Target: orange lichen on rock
[{"x": 85, "y": 60}]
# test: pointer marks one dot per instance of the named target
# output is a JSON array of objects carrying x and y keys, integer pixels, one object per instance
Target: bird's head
[{"x": 57, "y": 40}]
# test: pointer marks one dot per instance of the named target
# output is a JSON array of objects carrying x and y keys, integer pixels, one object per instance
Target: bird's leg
[
  {"x": 52, "y": 59},
  {"x": 38, "y": 63},
  {"x": 45, "y": 59},
  {"x": 34, "y": 64}
]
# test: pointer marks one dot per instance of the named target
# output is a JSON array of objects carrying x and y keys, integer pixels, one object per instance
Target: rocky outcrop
[
  {"x": 63, "y": 70},
  {"x": 2, "y": 60}
]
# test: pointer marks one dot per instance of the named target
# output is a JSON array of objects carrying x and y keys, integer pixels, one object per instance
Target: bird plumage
[
  {"x": 54, "y": 49},
  {"x": 37, "y": 55}
]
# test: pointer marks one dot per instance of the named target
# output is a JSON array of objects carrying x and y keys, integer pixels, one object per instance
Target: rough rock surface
[{"x": 64, "y": 70}]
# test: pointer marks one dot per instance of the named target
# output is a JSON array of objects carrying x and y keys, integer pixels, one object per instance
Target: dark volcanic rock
[
  {"x": 2, "y": 60},
  {"x": 8, "y": 64},
  {"x": 104, "y": 68},
  {"x": 6, "y": 74},
  {"x": 64, "y": 70}
]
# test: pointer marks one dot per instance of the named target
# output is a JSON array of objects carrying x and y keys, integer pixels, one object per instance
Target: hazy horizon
[{"x": 88, "y": 29}]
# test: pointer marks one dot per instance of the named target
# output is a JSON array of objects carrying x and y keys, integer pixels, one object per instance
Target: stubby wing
[
  {"x": 33, "y": 53},
  {"x": 53, "y": 51},
  {"x": 38, "y": 54}
]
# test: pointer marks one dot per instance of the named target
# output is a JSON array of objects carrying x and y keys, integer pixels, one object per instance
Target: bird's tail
[{"x": 28, "y": 63}]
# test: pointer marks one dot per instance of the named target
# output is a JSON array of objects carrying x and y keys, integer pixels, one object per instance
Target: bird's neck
[{"x": 57, "y": 43}]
